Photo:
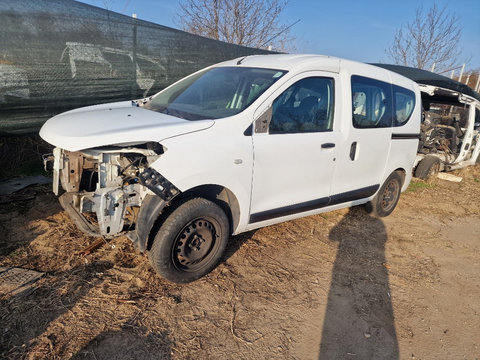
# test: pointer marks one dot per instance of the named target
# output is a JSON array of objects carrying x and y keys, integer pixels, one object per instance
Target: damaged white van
[
  {"x": 450, "y": 129},
  {"x": 234, "y": 147}
]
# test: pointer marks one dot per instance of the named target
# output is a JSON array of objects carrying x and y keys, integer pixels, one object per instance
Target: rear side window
[
  {"x": 371, "y": 103},
  {"x": 403, "y": 106}
]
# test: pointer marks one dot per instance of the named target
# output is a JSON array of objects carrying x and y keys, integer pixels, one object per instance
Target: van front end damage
[{"x": 105, "y": 187}]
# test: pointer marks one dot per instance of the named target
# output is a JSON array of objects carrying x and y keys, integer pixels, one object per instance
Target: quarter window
[
  {"x": 404, "y": 105},
  {"x": 306, "y": 106},
  {"x": 371, "y": 103}
]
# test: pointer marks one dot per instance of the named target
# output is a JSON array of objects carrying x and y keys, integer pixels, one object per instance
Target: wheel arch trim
[{"x": 153, "y": 206}]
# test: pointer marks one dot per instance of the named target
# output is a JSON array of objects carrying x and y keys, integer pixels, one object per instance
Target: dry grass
[
  {"x": 270, "y": 297},
  {"x": 22, "y": 155}
]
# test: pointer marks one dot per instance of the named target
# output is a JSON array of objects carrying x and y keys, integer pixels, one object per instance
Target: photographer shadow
[{"x": 359, "y": 320}]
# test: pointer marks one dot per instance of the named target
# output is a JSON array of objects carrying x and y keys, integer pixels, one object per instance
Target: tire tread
[
  {"x": 373, "y": 207},
  {"x": 179, "y": 216},
  {"x": 424, "y": 167}
]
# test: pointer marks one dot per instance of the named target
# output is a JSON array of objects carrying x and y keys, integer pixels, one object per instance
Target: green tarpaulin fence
[{"x": 57, "y": 55}]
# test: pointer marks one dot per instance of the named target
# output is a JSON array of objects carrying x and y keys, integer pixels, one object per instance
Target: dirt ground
[{"x": 341, "y": 285}]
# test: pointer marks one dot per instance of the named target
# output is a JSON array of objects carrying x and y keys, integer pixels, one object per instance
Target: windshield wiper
[{"x": 173, "y": 112}]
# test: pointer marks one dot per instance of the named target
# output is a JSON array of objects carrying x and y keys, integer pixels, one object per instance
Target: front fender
[
  {"x": 213, "y": 157},
  {"x": 152, "y": 207}
]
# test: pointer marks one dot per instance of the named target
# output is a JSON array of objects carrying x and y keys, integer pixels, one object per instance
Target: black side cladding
[{"x": 314, "y": 204}]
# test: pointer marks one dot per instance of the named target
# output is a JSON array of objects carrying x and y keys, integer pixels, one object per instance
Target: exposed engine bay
[
  {"x": 443, "y": 130},
  {"x": 104, "y": 187},
  {"x": 450, "y": 128}
]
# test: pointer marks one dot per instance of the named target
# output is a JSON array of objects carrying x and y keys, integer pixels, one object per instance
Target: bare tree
[
  {"x": 244, "y": 22},
  {"x": 431, "y": 38}
]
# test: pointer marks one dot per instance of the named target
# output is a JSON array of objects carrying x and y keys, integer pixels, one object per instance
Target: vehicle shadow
[
  {"x": 235, "y": 243},
  {"x": 126, "y": 344},
  {"x": 359, "y": 320}
]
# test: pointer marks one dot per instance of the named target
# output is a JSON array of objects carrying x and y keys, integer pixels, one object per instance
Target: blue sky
[{"x": 359, "y": 30}]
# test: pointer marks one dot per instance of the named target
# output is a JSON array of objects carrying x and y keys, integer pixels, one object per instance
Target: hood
[{"x": 117, "y": 123}]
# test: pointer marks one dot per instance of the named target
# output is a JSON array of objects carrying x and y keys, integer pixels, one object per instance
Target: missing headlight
[{"x": 158, "y": 184}]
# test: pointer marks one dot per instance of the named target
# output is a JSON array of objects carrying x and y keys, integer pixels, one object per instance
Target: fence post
[{"x": 134, "y": 57}]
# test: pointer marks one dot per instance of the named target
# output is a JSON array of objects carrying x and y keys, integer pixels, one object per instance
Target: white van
[{"x": 237, "y": 146}]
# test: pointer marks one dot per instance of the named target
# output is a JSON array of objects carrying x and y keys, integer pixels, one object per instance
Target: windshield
[{"x": 214, "y": 93}]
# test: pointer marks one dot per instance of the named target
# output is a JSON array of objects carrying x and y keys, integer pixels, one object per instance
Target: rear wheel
[
  {"x": 190, "y": 242},
  {"x": 387, "y": 197}
]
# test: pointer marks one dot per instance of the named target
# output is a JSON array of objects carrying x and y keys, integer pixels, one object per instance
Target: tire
[
  {"x": 428, "y": 167},
  {"x": 190, "y": 242},
  {"x": 387, "y": 197}
]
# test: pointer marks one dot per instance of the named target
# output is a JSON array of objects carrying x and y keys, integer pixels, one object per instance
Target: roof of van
[
  {"x": 306, "y": 62},
  {"x": 285, "y": 61},
  {"x": 428, "y": 78}
]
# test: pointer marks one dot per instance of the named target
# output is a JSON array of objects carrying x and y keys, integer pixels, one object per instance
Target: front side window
[
  {"x": 404, "y": 105},
  {"x": 371, "y": 103},
  {"x": 306, "y": 106},
  {"x": 214, "y": 93}
]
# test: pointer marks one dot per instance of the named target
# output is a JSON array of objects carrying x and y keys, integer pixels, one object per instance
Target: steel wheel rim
[
  {"x": 390, "y": 194},
  {"x": 196, "y": 244}
]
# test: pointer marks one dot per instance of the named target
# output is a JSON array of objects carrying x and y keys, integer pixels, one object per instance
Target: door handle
[
  {"x": 353, "y": 150},
  {"x": 328, "y": 145}
]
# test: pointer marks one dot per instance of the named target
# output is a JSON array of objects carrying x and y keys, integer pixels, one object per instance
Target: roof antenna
[{"x": 240, "y": 61}]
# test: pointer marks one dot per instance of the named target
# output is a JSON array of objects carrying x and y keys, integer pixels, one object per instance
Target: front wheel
[
  {"x": 190, "y": 242},
  {"x": 428, "y": 167},
  {"x": 387, "y": 197}
]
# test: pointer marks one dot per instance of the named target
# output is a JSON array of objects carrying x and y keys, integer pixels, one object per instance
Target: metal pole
[
  {"x": 134, "y": 57},
  {"x": 461, "y": 73}
]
